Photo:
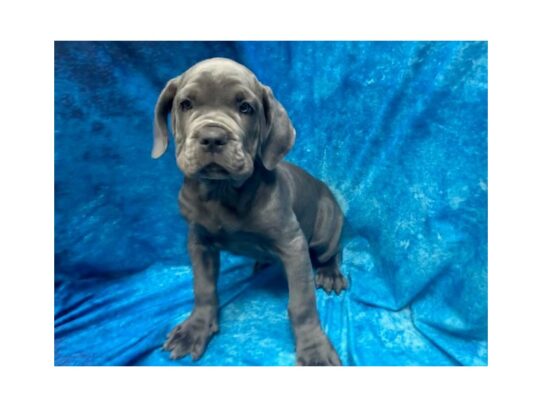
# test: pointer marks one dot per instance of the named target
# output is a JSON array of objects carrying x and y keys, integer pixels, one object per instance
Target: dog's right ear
[{"x": 161, "y": 110}]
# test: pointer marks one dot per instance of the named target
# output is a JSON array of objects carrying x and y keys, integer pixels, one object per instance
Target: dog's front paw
[
  {"x": 317, "y": 351},
  {"x": 191, "y": 337}
]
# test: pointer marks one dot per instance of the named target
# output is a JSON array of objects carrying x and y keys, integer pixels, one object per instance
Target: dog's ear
[
  {"x": 279, "y": 136},
  {"x": 161, "y": 110}
]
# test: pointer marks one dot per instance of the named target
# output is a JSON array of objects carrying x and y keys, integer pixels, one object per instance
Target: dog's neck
[
  {"x": 218, "y": 190},
  {"x": 231, "y": 194}
]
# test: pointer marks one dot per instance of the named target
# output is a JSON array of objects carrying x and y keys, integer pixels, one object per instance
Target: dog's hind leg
[
  {"x": 325, "y": 247},
  {"x": 329, "y": 276}
]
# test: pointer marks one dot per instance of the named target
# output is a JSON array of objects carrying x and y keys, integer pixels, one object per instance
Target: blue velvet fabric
[{"x": 398, "y": 130}]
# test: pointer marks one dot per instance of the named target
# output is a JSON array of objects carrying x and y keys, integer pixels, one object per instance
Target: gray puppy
[{"x": 231, "y": 135}]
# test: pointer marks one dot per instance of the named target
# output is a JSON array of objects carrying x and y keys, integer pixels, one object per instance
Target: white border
[{"x": 515, "y": 69}]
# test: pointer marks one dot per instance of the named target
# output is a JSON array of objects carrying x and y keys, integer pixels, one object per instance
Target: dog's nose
[{"x": 213, "y": 138}]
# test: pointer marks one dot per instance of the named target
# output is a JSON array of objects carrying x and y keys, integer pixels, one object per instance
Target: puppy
[{"x": 231, "y": 135}]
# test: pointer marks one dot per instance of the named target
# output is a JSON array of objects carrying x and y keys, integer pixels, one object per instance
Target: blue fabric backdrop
[{"x": 398, "y": 130}]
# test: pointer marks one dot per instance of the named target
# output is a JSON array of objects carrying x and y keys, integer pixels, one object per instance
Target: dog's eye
[
  {"x": 245, "y": 108},
  {"x": 186, "y": 105}
]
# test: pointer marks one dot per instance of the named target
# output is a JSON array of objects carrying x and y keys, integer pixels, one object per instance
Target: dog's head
[{"x": 223, "y": 120}]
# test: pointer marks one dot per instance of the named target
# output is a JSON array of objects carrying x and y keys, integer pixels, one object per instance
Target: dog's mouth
[{"x": 214, "y": 171}]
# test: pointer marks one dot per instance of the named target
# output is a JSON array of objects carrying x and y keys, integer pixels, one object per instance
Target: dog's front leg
[
  {"x": 193, "y": 334},
  {"x": 313, "y": 348}
]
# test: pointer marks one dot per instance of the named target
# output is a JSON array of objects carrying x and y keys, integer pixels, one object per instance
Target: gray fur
[{"x": 238, "y": 195}]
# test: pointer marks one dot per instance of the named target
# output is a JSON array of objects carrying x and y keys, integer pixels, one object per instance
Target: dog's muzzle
[
  {"x": 212, "y": 139},
  {"x": 214, "y": 151}
]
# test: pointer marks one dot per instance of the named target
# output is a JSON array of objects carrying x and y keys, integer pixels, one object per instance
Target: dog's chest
[
  {"x": 213, "y": 215},
  {"x": 227, "y": 229},
  {"x": 217, "y": 219}
]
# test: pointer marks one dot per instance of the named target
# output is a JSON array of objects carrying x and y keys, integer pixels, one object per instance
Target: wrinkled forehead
[{"x": 218, "y": 77}]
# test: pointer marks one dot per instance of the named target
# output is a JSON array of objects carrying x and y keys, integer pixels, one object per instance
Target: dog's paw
[
  {"x": 190, "y": 337},
  {"x": 330, "y": 280},
  {"x": 317, "y": 352}
]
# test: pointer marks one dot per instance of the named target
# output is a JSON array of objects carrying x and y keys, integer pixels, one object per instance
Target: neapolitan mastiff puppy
[{"x": 238, "y": 195}]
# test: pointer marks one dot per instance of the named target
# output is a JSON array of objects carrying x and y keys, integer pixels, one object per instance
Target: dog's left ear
[{"x": 280, "y": 134}]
